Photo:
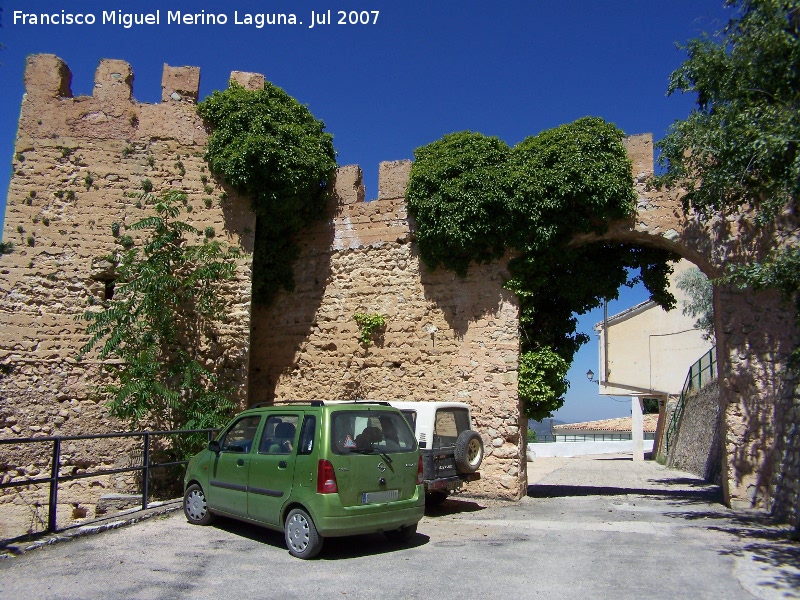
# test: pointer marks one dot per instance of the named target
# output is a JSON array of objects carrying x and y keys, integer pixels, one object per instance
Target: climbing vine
[
  {"x": 269, "y": 146},
  {"x": 369, "y": 324},
  {"x": 474, "y": 198}
]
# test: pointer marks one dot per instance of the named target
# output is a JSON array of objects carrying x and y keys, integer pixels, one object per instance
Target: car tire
[
  {"x": 404, "y": 534},
  {"x": 301, "y": 534},
  {"x": 195, "y": 506},
  {"x": 468, "y": 451},
  {"x": 435, "y": 498}
]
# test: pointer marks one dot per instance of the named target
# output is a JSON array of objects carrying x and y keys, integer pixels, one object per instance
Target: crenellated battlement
[
  {"x": 50, "y": 110},
  {"x": 49, "y": 77}
]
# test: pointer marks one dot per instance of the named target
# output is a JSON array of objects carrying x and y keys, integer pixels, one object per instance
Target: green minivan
[{"x": 312, "y": 470}]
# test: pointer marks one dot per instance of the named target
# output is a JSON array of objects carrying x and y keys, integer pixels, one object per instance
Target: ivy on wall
[
  {"x": 166, "y": 296},
  {"x": 269, "y": 146},
  {"x": 474, "y": 199}
]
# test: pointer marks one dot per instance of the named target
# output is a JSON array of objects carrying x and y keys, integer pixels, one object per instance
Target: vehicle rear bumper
[
  {"x": 449, "y": 483},
  {"x": 355, "y": 520}
]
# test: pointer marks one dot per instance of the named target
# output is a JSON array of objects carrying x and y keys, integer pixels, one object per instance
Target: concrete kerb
[{"x": 9, "y": 549}]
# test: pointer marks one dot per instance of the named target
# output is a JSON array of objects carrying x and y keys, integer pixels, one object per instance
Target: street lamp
[{"x": 590, "y": 375}]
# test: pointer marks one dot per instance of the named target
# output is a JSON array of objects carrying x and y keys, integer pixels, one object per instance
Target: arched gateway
[{"x": 445, "y": 338}]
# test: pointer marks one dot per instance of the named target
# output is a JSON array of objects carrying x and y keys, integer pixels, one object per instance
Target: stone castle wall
[
  {"x": 78, "y": 167},
  {"x": 446, "y": 338}
]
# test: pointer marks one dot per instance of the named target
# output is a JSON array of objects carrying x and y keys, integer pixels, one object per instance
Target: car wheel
[
  {"x": 301, "y": 535},
  {"x": 469, "y": 451},
  {"x": 195, "y": 506},
  {"x": 404, "y": 534},
  {"x": 435, "y": 498}
]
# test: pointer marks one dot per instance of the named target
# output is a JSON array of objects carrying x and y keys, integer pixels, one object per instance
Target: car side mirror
[{"x": 213, "y": 445}]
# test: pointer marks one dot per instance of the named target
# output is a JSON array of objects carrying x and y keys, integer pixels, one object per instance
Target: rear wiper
[
  {"x": 385, "y": 456},
  {"x": 362, "y": 450},
  {"x": 372, "y": 450}
]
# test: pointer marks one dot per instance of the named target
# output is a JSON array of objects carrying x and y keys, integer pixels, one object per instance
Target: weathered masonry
[{"x": 76, "y": 162}]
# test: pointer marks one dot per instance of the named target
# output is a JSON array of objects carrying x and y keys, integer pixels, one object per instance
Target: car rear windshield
[
  {"x": 367, "y": 432},
  {"x": 449, "y": 423}
]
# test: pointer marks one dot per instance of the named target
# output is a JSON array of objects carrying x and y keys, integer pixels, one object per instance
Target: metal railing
[
  {"x": 700, "y": 373},
  {"x": 55, "y": 464},
  {"x": 587, "y": 437}
]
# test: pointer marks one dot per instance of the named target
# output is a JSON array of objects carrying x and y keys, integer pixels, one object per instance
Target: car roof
[
  {"x": 317, "y": 404},
  {"x": 425, "y": 405}
]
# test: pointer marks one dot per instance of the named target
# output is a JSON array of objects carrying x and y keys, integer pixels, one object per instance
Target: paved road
[{"x": 591, "y": 527}]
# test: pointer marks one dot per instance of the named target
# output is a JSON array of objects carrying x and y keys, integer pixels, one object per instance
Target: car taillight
[
  {"x": 326, "y": 478},
  {"x": 419, "y": 471}
]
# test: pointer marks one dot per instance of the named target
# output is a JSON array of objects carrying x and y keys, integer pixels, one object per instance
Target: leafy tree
[
  {"x": 739, "y": 147},
  {"x": 474, "y": 199},
  {"x": 650, "y": 406},
  {"x": 542, "y": 382},
  {"x": 269, "y": 146},
  {"x": 701, "y": 299},
  {"x": 166, "y": 294}
]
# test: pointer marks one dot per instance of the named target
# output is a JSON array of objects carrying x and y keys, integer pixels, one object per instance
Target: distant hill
[{"x": 543, "y": 427}]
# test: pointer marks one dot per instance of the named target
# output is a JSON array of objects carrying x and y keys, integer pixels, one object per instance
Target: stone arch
[{"x": 756, "y": 334}]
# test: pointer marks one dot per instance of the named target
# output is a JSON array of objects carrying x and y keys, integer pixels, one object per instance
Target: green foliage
[
  {"x": 740, "y": 143},
  {"x": 459, "y": 194},
  {"x": 650, "y": 406},
  {"x": 369, "y": 324},
  {"x": 542, "y": 382},
  {"x": 531, "y": 437},
  {"x": 570, "y": 180},
  {"x": 269, "y": 146},
  {"x": 739, "y": 146},
  {"x": 165, "y": 297},
  {"x": 701, "y": 299},
  {"x": 474, "y": 199},
  {"x": 6, "y": 248}
]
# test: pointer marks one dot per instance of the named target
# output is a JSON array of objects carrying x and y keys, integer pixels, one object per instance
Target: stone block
[
  {"x": 347, "y": 186},
  {"x": 113, "y": 80},
  {"x": 47, "y": 76},
  {"x": 249, "y": 81},
  {"x": 393, "y": 179},
  {"x": 640, "y": 151},
  {"x": 180, "y": 84}
]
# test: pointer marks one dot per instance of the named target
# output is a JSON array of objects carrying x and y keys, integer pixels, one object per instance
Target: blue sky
[{"x": 424, "y": 69}]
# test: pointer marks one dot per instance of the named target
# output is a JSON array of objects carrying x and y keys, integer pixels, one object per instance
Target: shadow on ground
[
  {"x": 353, "y": 546},
  {"x": 684, "y": 489},
  {"x": 452, "y": 506}
]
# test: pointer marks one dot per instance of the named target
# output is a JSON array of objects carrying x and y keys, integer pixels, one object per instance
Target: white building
[{"x": 645, "y": 352}]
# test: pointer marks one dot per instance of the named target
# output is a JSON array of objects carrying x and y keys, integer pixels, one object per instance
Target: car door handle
[
  {"x": 282, "y": 464},
  {"x": 240, "y": 462}
]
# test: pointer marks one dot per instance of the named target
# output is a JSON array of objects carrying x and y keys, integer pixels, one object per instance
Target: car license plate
[{"x": 378, "y": 497}]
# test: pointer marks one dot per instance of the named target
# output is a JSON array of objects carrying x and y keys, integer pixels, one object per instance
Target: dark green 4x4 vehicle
[{"x": 312, "y": 470}]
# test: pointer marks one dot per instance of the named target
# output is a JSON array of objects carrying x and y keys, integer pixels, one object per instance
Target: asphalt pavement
[{"x": 590, "y": 527}]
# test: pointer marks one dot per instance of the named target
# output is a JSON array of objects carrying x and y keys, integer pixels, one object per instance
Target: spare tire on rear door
[{"x": 469, "y": 451}]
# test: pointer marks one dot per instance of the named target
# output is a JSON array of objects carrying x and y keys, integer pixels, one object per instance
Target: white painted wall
[{"x": 649, "y": 350}]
